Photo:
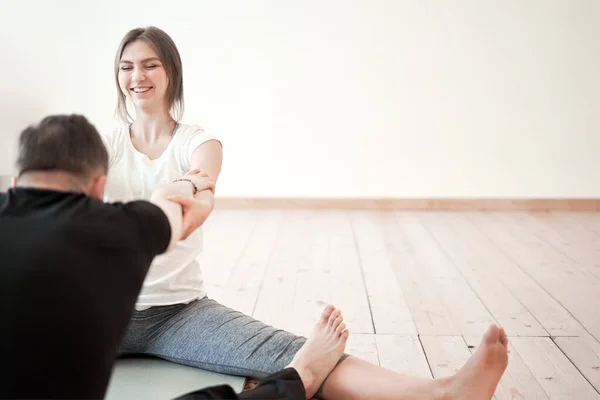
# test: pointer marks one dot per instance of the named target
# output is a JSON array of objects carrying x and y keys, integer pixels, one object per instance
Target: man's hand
[{"x": 196, "y": 210}]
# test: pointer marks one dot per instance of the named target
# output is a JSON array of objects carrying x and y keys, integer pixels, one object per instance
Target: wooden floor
[{"x": 418, "y": 289}]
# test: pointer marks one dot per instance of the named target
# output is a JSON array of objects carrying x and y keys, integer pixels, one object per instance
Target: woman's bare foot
[
  {"x": 321, "y": 352},
  {"x": 479, "y": 377}
]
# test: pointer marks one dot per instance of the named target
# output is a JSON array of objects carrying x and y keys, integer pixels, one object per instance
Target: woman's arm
[{"x": 208, "y": 159}]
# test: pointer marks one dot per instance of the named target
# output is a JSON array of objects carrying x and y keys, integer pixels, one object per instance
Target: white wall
[{"x": 336, "y": 98}]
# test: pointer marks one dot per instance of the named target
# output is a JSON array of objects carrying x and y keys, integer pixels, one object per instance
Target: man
[{"x": 72, "y": 268}]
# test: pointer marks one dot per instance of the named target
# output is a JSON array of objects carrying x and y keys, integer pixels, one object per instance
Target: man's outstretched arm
[{"x": 171, "y": 199}]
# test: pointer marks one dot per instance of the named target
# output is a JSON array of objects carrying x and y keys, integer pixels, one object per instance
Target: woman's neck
[{"x": 151, "y": 127}]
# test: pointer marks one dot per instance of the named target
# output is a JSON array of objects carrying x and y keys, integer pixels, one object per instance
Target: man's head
[{"x": 64, "y": 146}]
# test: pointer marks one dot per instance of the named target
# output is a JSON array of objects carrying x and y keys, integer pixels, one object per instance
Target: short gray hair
[{"x": 68, "y": 143}]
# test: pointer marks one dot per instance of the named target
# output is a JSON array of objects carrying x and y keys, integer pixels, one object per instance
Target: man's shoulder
[
  {"x": 126, "y": 207},
  {"x": 144, "y": 220},
  {"x": 135, "y": 217},
  {"x": 140, "y": 212}
]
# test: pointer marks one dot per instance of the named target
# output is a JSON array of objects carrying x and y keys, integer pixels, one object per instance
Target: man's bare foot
[
  {"x": 479, "y": 377},
  {"x": 321, "y": 352}
]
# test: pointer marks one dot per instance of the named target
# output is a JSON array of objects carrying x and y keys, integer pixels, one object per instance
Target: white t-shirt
[{"x": 174, "y": 277}]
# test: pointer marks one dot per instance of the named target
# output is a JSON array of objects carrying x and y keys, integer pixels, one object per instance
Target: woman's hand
[
  {"x": 201, "y": 180},
  {"x": 197, "y": 209}
]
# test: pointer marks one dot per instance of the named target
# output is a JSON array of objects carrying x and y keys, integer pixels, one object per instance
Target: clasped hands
[{"x": 196, "y": 209}]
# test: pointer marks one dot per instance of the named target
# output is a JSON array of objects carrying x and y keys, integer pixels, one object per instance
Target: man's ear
[
  {"x": 13, "y": 181},
  {"x": 97, "y": 188}
]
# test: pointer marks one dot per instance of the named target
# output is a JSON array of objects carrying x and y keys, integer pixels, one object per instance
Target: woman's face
[{"x": 142, "y": 77}]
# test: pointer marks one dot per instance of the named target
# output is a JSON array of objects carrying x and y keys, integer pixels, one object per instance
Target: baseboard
[{"x": 412, "y": 204}]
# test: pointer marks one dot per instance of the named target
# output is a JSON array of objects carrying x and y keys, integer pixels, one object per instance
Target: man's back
[{"x": 71, "y": 268}]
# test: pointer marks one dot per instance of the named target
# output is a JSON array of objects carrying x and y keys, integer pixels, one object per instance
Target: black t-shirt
[{"x": 71, "y": 268}]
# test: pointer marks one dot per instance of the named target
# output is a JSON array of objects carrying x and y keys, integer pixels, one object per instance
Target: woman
[{"x": 174, "y": 319}]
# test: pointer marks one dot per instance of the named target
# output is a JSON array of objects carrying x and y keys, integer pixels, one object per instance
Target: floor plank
[
  {"x": 471, "y": 256},
  {"x": 579, "y": 245},
  {"x": 468, "y": 311},
  {"x": 363, "y": 346},
  {"x": 571, "y": 285},
  {"x": 389, "y": 310},
  {"x": 553, "y": 371},
  {"x": 347, "y": 286},
  {"x": 588, "y": 220},
  {"x": 546, "y": 308},
  {"x": 292, "y": 253},
  {"x": 428, "y": 310},
  {"x": 403, "y": 354},
  {"x": 242, "y": 289},
  {"x": 578, "y": 256},
  {"x": 312, "y": 289},
  {"x": 584, "y": 353},
  {"x": 445, "y": 354},
  {"x": 517, "y": 383},
  {"x": 223, "y": 246}
]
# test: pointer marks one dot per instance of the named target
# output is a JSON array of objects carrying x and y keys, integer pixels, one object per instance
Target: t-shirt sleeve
[
  {"x": 111, "y": 141},
  {"x": 193, "y": 138},
  {"x": 150, "y": 224}
]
